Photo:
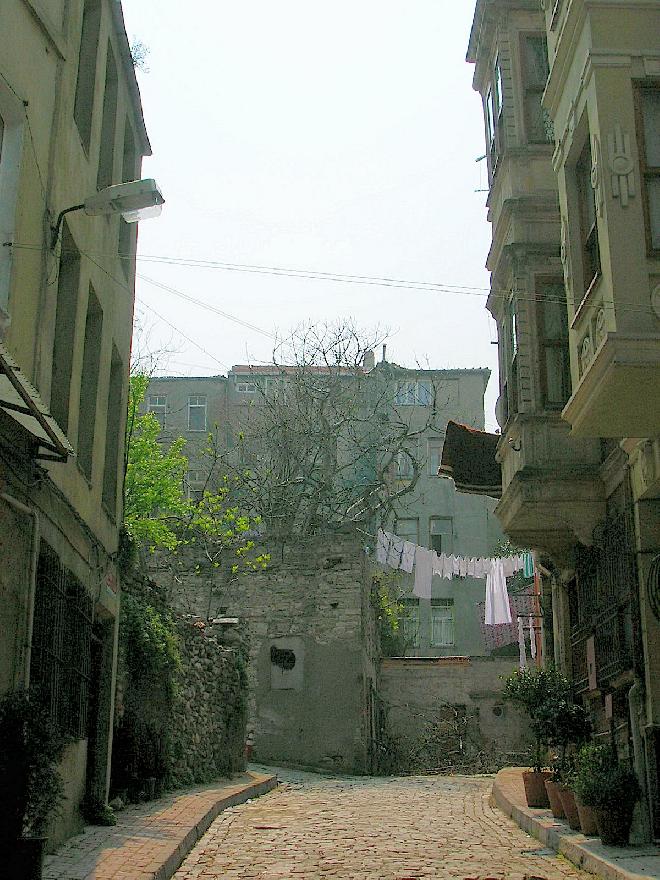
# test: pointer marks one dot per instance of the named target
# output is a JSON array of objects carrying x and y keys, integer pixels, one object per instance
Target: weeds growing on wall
[{"x": 391, "y": 612}]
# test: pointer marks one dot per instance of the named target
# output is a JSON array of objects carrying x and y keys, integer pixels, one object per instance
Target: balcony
[
  {"x": 552, "y": 494},
  {"x": 618, "y": 394}
]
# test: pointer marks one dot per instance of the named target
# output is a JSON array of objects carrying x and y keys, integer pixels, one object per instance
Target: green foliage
[
  {"x": 153, "y": 497},
  {"x": 591, "y": 762},
  {"x": 150, "y": 640},
  {"x": 157, "y": 513},
  {"x": 545, "y": 696},
  {"x": 386, "y": 594},
  {"x": 602, "y": 783},
  {"x": 32, "y": 747},
  {"x": 96, "y": 812}
]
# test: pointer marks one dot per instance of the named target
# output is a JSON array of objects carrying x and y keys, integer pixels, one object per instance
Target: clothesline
[{"x": 401, "y": 554}]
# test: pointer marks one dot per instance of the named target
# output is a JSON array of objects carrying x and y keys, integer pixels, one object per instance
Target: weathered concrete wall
[
  {"x": 445, "y": 713},
  {"x": 311, "y": 631}
]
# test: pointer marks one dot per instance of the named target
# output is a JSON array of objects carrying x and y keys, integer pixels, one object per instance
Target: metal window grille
[{"x": 61, "y": 643}]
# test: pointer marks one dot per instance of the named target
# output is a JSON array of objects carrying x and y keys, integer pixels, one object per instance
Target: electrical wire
[{"x": 424, "y": 286}]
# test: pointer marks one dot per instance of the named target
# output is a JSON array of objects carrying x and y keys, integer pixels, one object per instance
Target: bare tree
[{"x": 321, "y": 443}]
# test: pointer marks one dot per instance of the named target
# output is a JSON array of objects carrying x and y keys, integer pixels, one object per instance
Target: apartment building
[
  {"x": 571, "y": 98},
  {"x": 70, "y": 124},
  {"x": 433, "y": 514}
]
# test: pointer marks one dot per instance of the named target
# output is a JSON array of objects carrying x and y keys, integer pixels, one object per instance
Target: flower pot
[
  {"x": 555, "y": 801},
  {"x": 534, "y": 782},
  {"x": 614, "y": 823},
  {"x": 570, "y": 807},
  {"x": 587, "y": 818},
  {"x": 26, "y": 860}
]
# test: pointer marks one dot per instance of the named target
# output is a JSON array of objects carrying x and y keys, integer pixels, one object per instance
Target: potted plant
[
  {"x": 32, "y": 747},
  {"x": 611, "y": 790},
  {"x": 531, "y": 690},
  {"x": 570, "y": 726}
]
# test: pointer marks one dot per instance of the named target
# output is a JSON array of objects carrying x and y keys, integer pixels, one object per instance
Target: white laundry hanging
[
  {"x": 423, "y": 572},
  {"x": 498, "y": 609},
  {"x": 408, "y": 556},
  {"x": 394, "y": 552},
  {"x": 521, "y": 644},
  {"x": 532, "y": 637},
  {"x": 382, "y": 546}
]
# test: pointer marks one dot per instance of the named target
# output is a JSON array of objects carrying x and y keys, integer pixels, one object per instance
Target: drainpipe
[
  {"x": 34, "y": 555},
  {"x": 635, "y": 708}
]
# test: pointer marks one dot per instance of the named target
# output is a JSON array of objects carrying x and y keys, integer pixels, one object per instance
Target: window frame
[
  {"x": 447, "y": 534},
  {"x": 532, "y": 90},
  {"x": 410, "y": 620},
  {"x": 154, "y": 408},
  {"x": 12, "y": 113},
  {"x": 407, "y": 536},
  {"x": 546, "y": 282},
  {"x": 245, "y": 387},
  {"x": 431, "y": 443},
  {"x": 588, "y": 232},
  {"x": 446, "y": 605},
  {"x": 412, "y": 395},
  {"x": 203, "y": 406},
  {"x": 646, "y": 172}
]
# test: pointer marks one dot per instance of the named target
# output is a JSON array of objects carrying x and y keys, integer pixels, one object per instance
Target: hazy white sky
[{"x": 337, "y": 137}]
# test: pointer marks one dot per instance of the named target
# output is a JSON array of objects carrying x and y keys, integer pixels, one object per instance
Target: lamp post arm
[{"x": 55, "y": 230}]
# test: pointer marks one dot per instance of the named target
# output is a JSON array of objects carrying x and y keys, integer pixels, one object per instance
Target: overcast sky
[{"x": 335, "y": 137}]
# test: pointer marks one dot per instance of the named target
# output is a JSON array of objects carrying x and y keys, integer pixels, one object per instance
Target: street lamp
[{"x": 135, "y": 200}]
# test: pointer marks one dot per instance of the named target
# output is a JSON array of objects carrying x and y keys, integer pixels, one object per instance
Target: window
[
  {"x": 89, "y": 383},
  {"x": 158, "y": 406},
  {"x": 246, "y": 387},
  {"x": 588, "y": 220},
  {"x": 510, "y": 356},
  {"x": 495, "y": 116},
  {"x": 84, "y": 100},
  {"x": 60, "y": 663},
  {"x": 194, "y": 485},
  {"x": 415, "y": 393},
  {"x": 441, "y": 530},
  {"x": 442, "y": 623},
  {"x": 127, "y": 231},
  {"x": 12, "y": 122},
  {"x": 405, "y": 467},
  {"x": 649, "y": 158},
  {"x": 65, "y": 328},
  {"x": 535, "y": 71},
  {"x": 553, "y": 343},
  {"x": 114, "y": 431},
  {"x": 197, "y": 412},
  {"x": 408, "y": 529},
  {"x": 434, "y": 454},
  {"x": 409, "y": 621},
  {"x": 105, "y": 175}
]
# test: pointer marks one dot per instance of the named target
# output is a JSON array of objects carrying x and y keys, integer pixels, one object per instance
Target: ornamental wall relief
[
  {"x": 565, "y": 254},
  {"x": 621, "y": 165},
  {"x": 586, "y": 354}
]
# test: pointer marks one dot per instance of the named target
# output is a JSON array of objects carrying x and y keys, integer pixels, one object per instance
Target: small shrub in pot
[
  {"x": 32, "y": 748},
  {"x": 610, "y": 789}
]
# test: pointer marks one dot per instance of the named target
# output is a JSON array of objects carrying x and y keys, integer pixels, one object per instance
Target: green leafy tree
[{"x": 157, "y": 513}]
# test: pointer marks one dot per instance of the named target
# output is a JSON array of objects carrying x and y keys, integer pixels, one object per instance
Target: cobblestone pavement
[{"x": 372, "y": 829}]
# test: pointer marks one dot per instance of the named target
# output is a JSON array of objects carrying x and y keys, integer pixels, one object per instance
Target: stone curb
[
  {"x": 176, "y": 859},
  {"x": 587, "y": 853},
  {"x": 96, "y": 856}
]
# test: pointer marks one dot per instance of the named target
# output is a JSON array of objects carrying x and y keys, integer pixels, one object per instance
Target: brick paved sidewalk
[
  {"x": 607, "y": 862},
  {"x": 151, "y": 840}
]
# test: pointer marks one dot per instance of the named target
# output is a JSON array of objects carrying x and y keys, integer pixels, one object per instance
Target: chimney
[
  {"x": 368, "y": 361},
  {"x": 384, "y": 353}
]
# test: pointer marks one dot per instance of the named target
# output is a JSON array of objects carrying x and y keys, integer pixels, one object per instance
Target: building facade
[
  {"x": 70, "y": 123},
  {"x": 433, "y": 514},
  {"x": 570, "y": 92}
]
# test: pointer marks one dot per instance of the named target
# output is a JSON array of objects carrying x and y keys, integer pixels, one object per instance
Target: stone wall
[
  {"x": 186, "y": 725},
  {"x": 312, "y": 649},
  {"x": 444, "y": 714},
  {"x": 209, "y": 712}
]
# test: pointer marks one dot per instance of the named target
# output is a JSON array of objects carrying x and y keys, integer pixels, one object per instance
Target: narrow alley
[{"x": 405, "y": 828}]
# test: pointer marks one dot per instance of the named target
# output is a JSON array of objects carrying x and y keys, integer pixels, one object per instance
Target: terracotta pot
[
  {"x": 587, "y": 818},
  {"x": 570, "y": 807},
  {"x": 555, "y": 801},
  {"x": 534, "y": 782},
  {"x": 614, "y": 824}
]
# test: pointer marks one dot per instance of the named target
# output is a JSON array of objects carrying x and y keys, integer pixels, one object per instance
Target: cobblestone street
[{"x": 371, "y": 829}]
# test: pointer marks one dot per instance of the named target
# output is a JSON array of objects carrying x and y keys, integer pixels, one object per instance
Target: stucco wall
[
  {"x": 312, "y": 600},
  {"x": 444, "y": 713}
]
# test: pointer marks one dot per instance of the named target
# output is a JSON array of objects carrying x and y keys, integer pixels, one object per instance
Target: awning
[
  {"x": 468, "y": 457},
  {"x": 22, "y": 403}
]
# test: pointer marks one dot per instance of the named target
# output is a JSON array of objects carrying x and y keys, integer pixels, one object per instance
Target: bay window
[{"x": 648, "y": 134}]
